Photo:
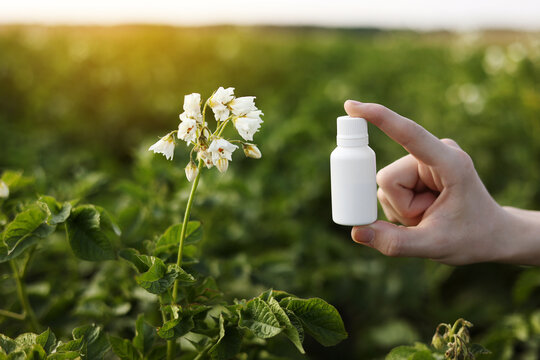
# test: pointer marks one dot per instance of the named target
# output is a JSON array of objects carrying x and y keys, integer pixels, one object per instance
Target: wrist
[{"x": 517, "y": 238}]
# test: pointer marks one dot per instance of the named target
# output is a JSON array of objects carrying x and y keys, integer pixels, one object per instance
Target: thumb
[{"x": 393, "y": 240}]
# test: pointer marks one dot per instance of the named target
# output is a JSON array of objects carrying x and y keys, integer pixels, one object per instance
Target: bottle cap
[{"x": 352, "y": 131}]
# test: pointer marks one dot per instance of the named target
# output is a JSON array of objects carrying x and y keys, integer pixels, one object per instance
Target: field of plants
[{"x": 98, "y": 214}]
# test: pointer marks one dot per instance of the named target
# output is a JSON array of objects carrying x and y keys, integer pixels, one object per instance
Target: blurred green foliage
[{"x": 79, "y": 107}]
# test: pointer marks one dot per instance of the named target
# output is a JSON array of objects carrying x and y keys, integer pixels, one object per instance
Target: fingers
[
  {"x": 399, "y": 189},
  {"x": 393, "y": 215},
  {"x": 413, "y": 137},
  {"x": 393, "y": 240}
]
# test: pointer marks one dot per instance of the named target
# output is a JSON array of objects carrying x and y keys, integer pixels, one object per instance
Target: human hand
[{"x": 435, "y": 191}]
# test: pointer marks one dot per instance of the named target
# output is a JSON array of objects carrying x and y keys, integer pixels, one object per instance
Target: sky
[{"x": 413, "y": 14}]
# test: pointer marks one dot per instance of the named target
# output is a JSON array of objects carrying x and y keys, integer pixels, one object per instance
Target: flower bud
[
  {"x": 252, "y": 151},
  {"x": 222, "y": 164},
  {"x": 191, "y": 171},
  {"x": 4, "y": 190},
  {"x": 437, "y": 341},
  {"x": 206, "y": 157}
]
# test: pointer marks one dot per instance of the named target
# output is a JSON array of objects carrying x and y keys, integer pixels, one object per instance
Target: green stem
[
  {"x": 171, "y": 343},
  {"x": 223, "y": 127},
  {"x": 23, "y": 297},
  {"x": 203, "y": 352},
  {"x": 184, "y": 227},
  {"x": 11, "y": 314},
  {"x": 27, "y": 261},
  {"x": 454, "y": 328},
  {"x": 163, "y": 316}
]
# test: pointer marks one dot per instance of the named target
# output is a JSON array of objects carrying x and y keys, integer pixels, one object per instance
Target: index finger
[{"x": 414, "y": 138}]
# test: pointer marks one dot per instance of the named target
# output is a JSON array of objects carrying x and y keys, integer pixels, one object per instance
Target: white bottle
[{"x": 352, "y": 173}]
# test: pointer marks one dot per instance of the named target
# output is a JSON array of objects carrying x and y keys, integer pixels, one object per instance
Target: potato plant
[{"x": 196, "y": 321}]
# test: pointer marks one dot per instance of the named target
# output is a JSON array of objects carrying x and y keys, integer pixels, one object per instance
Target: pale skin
[{"x": 446, "y": 212}]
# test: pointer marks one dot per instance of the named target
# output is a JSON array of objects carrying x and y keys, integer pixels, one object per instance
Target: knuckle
[
  {"x": 388, "y": 213},
  {"x": 406, "y": 213},
  {"x": 381, "y": 195},
  {"x": 383, "y": 177},
  {"x": 464, "y": 160},
  {"x": 450, "y": 142}
]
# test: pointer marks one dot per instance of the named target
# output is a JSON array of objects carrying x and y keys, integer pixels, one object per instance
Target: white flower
[
  {"x": 218, "y": 102},
  {"x": 252, "y": 151},
  {"x": 221, "y": 149},
  {"x": 221, "y": 112},
  {"x": 187, "y": 130},
  {"x": 222, "y": 96},
  {"x": 206, "y": 157},
  {"x": 192, "y": 108},
  {"x": 243, "y": 105},
  {"x": 4, "y": 190},
  {"x": 191, "y": 171},
  {"x": 248, "y": 125},
  {"x": 222, "y": 164},
  {"x": 164, "y": 146}
]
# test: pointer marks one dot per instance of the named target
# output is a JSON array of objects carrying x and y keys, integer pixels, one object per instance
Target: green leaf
[
  {"x": 175, "y": 328},
  {"x": 68, "y": 355},
  {"x": 145, "y": 335},
  {"x": 95, "y": 341},
  {"x": 17, "y": 355},
  {"x": 7, "y": 344},
  {"x": 73, "y": 345},
  {"x": 107, "y": 223},
  {"x": 123, "y": 348},
  {"x": 228, "y": 344},
  {"x": 276, "y": 294},
  {"x": 320, "y": 319},
  {"x": 25, "y": 230},
  {"x": 182, "y": 275},
  {"x": 26, "y": 340},
  {"x": 47, "y": 340},
  {"x": 477, "y": 349},
  {"x": 401, "y": 353},
  {"x": 195, "y": 309},
  {"x": 291, "y": 331},
  {"x": 36, "y": 352},
  {"x": 158, "y": 278},
  {"x": 58, "y": 212},
  {"x": 204, "y": 292},
  {"x": 423, "y": 355},
  {"x": 141, "y": 262},
  {"x": 169, "y": 241},
  {"x": 257, "y": 316},
  {"x": 86, "y": 237}
]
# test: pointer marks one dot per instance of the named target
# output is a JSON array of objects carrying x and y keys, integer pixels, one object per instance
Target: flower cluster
[{"x": 210, "y": 147}]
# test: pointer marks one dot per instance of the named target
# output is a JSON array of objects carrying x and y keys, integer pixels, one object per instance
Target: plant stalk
[
  {"x": 12, "y": 315},
  {"x": 171, "y": 343},
  {"x": 23, "y": 297}
]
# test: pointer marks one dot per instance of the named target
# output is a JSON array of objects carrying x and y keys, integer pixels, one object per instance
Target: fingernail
[
  {"x": 363, "y": 235},
  {"x": 353, "y": 102}
]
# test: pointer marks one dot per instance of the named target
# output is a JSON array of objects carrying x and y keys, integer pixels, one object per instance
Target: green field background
[{"x": 79, "y": 107}]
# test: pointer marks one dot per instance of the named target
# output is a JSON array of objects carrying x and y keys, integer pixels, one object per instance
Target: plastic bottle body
[{"x": 354, "y": 188}]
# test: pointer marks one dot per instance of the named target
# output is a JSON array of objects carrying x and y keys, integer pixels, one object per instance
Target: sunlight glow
[{"x": 417, "y": 14}]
